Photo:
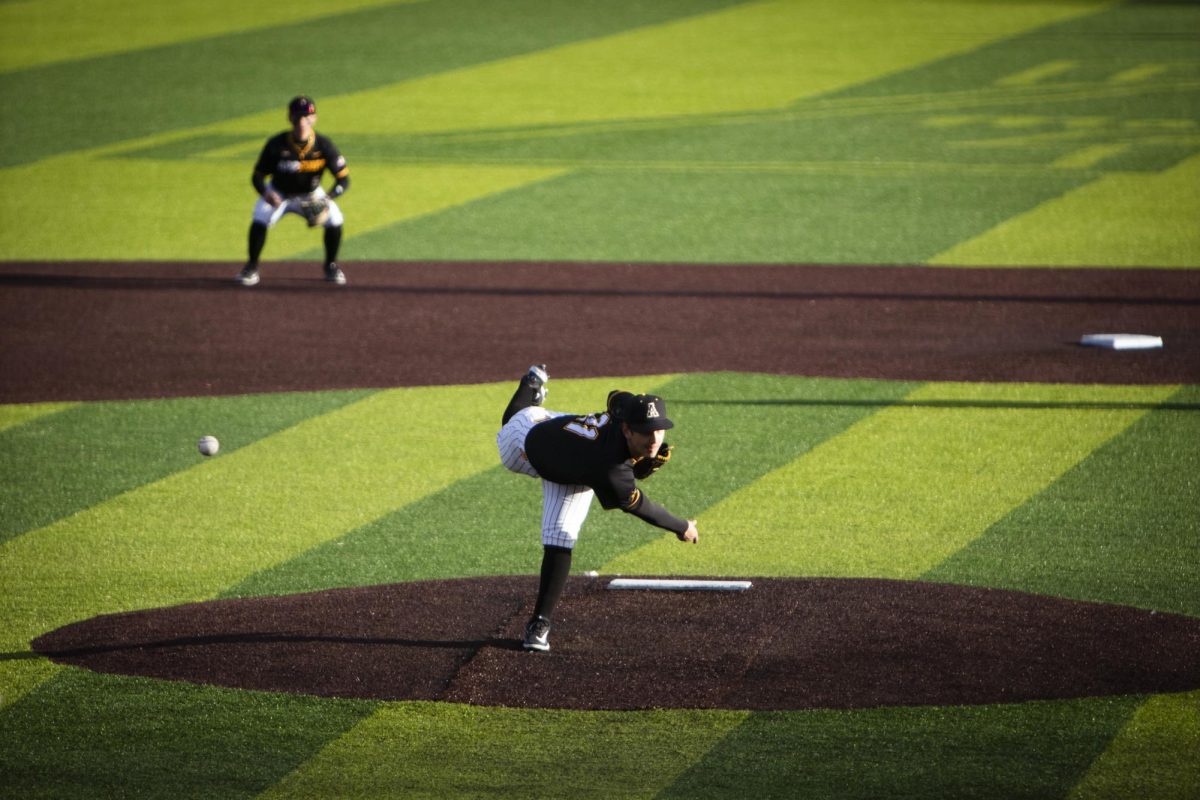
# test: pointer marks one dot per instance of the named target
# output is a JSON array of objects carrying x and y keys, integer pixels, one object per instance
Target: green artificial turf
[
  {"x": 88, "y": 735},
  {"x": 1121, "y": 526},
  {"x": 1027, "y": 750},
  {"x": 58, "y": 464},
  {"x": 1154, "y": 755},
  {"x": 906, "y": 487},
  {"x": 53, "y": 31},
  {"x": 358, "y": 49},
  {"x": 901, "y": 168},
  {"x": 730, "y": 216},
  {"x": 1035, "y": 134},
  {"x": 430, "y": 751},
  {"x": 456, "y": 532}
]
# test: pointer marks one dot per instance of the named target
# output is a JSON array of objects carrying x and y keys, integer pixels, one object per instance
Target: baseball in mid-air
[{"x": 208, "y": 445}]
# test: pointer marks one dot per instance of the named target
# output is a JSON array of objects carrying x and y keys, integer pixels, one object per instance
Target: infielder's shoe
[
  {"x": 537, "y": 378},
  {"x": 537, "y": 635},
  {"x": 334, "y": 275},
  {"x": 248, "y": 276}
]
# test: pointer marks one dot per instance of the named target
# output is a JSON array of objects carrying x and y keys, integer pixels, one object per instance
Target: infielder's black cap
[
  {"x": 301, "y": 106},
  {"x": 647, "y": 412}
]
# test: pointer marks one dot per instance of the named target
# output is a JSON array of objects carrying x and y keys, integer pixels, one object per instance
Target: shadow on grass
[{"x": 985, "y": 405}]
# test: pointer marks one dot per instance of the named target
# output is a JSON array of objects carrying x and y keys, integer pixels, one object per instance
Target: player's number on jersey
[{"x": 588, "y": 427}]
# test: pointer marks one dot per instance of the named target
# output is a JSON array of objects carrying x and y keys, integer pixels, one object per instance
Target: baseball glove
[
  {"x": 315, "y": 210},
  {"x": 645, "y": 467}
]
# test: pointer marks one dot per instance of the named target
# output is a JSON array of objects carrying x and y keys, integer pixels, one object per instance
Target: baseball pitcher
[{"x": 600, "y": 455}]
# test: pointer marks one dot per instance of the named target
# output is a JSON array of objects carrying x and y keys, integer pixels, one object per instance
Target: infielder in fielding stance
[
  {"x": 294, "y": 160},
  {"x": 600, "y": 455}
]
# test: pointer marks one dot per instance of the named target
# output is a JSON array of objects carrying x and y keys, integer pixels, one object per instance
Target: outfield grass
[{"x": 1038, "y": 133}]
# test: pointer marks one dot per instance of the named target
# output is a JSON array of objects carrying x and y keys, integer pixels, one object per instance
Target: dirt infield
[
  {"x": 782, "y": 644},
  {"x": 116, "y": 331}
]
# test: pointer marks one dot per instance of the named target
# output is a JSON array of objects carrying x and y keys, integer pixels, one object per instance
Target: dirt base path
[{"x": 80, "y": 331}]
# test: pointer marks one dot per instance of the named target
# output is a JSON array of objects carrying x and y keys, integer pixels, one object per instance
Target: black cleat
[
  {"x": 334, "y": 275},
  {"x": 248, "y": 276},
  {"x": 537, "y": 635},
  {"x": 537, "y": 378}
]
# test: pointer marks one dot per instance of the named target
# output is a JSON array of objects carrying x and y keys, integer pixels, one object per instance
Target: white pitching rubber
[
  {"x": 1122, "y": 341},
  {"x": 678, "y": 585}
]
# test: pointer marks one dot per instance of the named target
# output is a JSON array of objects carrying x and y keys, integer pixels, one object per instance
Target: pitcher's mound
[{"x": 783, "y": 644}]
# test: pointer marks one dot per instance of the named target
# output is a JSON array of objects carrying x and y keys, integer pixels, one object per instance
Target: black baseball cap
[
  {"x": 645, "y": 413},
  {"x": 301, "y": 106}
]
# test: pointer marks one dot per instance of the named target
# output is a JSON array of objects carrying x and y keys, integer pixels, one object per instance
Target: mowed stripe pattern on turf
[
  {"x": 67, "y": 457},
  {"x": 1118, "y": 527},
  {"x": 907, "y": 487},
  {"x": 52, "y": 31},
  {"x": 369, "y": 46},
  {"x": 798, "y": 399},
  {"x": 191, "y": 535},
  {"x": 477, "y": 525},
  {"x": 421, "y": 744},
  {"x": 784, "y": 542},
  {"x": 705, "y": 58}
]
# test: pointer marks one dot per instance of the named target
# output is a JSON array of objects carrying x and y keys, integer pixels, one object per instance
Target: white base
[
  {"x": 1122, "y": 341},
  {"x": 659, "y": 584}
]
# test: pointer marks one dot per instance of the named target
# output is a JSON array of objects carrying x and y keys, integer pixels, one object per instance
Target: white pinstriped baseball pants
[{"x": 564, "y": 506}]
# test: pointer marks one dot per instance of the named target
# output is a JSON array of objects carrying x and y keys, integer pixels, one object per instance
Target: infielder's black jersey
[
  {"x": 591, "y": 451},
  {"x": 296, "y": 167}
]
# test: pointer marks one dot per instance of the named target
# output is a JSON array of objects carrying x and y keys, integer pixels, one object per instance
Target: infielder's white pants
[
  {"x": 564, "y": 506},
  {"x": 267, "y": 214}
]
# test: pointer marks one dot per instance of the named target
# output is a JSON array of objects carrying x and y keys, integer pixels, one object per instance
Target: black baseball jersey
[
  {"x": 591, "y": 451},
  {"x": 296, "y": 167}
]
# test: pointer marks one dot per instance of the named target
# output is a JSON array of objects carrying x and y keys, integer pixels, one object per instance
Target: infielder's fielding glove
[
  {"x": 315, "y": 210},
  {"x": 645, "y": 467}
]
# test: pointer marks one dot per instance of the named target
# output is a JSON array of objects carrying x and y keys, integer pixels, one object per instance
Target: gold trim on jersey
[
  {"x": 633, "y": 499},
  {"x": 307, "y": 147}
]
